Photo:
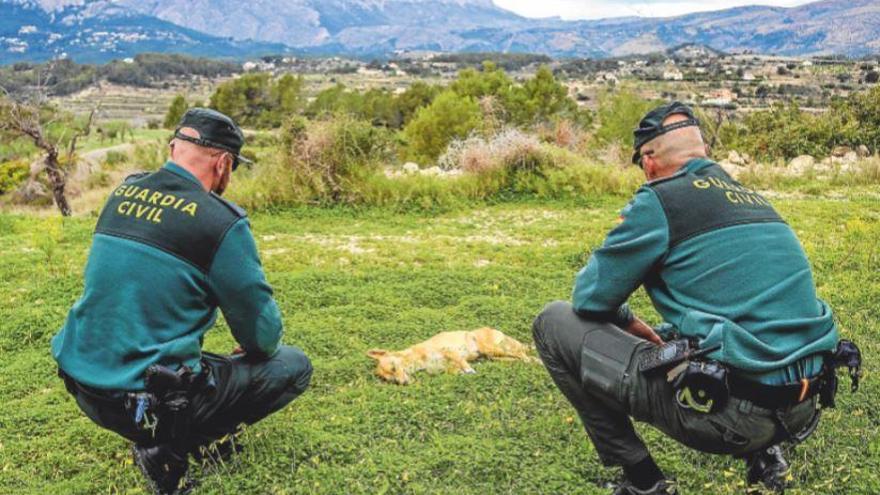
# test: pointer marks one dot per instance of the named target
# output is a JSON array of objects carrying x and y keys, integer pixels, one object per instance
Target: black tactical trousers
[
  {"x": 595, "y": 366},
  {"x": 245, "y": 391}
]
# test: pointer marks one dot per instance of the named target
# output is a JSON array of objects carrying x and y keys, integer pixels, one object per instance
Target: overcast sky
[{"x": 597, "y": 9}]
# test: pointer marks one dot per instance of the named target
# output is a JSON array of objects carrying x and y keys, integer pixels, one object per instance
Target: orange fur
[{"x": 447, "y": 351}]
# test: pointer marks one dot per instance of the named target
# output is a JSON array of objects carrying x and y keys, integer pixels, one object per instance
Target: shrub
[
  {"x": 516, "y": 163},
  {"x": 785, "y": 132},
  {"x": 321, "y": 162},
  {"x": 114, "y": 158},
  {"x": 619, "y": 113},
  {"x": 149, "y": 155},
  {"x": 114, "y": 130},
  {"x": 510, "y": 149},
  {"x": 449, "y": 117},
  {"x": 258, "y": 100},
  {"x": 176, "y": 110},
  {"x": 12, "y": 174}
]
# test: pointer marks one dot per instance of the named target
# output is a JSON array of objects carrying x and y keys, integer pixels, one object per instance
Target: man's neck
[
  {"x": 198, "y": 172},
  {"x": 673, "y": 169}
]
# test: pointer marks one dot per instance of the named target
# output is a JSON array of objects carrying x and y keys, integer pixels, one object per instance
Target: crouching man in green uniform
[
  {"x": 723, "y": 269},
  {"x": 167, "y": 252}
]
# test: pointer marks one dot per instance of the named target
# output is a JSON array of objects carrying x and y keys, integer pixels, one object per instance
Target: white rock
[
  {"x": 863, "y": 151},
  {"x": 801, "y": 164},
  {"x": 411, "y": 168},
  {"x": 735, "y": 158},
  {"x": 851, "y": 157},
  {"x": 433, "y": 171},
  {"x": 840, "y": 151}
]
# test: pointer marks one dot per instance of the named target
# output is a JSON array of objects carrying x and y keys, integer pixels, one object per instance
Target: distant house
[
  {"x": 722, "y": 98},
  {"x": 607, "y": 78},
  {"x": 673, "y": 75},
  {"x": 748, "y": 76}
]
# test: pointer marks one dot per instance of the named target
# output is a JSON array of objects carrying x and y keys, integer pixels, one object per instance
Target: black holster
[
  {"x": 848, "y": 355},
  {"x": 169, "y": 394}
]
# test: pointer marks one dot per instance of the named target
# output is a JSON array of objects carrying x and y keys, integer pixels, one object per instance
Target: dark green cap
[
  {"x": 652, "y": 126},
  {"x": 216, "y": 130}
]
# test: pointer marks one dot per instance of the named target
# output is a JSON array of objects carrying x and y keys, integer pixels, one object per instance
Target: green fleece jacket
[
  {"x": 150, "y": 296},
  {"x": 720, "y": 265}
]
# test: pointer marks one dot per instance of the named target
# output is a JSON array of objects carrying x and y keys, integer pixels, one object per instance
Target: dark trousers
[
  {"x": 595, "y": 366},
  {"x": 245, "y": 392}
]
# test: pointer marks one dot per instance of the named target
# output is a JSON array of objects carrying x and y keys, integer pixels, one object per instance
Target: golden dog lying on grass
[{"x": 448, "y": 351}]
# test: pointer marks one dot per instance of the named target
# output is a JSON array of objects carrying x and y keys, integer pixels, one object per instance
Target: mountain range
[{"x": 99, "y": 30}]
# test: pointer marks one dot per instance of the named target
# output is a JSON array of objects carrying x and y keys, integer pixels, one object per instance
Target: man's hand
[
  {"x": 238, "y": 351},
  {"x": 643, "y": 331}
]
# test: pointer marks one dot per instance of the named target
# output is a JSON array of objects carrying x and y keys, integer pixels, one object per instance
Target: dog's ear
[{"x": 377, "y": 353}]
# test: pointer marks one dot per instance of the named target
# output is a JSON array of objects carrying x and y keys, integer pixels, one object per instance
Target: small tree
[
  {"x": 450, "y": 116},
  {"x": 176, "y": 110},
  {"x": 28, "y": 120}
]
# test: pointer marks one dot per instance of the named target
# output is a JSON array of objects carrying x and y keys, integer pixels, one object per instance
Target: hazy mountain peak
[{"x": 380, "y": 27}]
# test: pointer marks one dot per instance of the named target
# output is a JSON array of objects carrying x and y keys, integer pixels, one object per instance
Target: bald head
[
  {"x": 670, "y": 151},
  {"x": 211, "y": 166}
]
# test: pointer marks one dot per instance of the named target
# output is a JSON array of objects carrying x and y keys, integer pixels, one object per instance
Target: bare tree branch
[
  {"x": 82, "y": 132},
  {"x": 24, "y": 120}
]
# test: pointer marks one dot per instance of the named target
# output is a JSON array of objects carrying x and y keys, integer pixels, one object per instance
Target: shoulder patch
[
  {"x": 234, "y": 208},
  {"x": 135, "y": 176}
]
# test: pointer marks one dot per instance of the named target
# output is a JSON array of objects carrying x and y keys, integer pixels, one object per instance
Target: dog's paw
[{"x": 469, "y": 371}]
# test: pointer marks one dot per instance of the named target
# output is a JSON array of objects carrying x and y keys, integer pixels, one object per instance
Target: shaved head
[
  {"x": 211, "y": 166},
  {"x": 669, "y": 152}
]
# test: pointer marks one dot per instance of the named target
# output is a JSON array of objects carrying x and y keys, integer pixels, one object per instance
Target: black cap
[
  {"x": 215, "y": 129},
  {"x": 652, "y": 126}
]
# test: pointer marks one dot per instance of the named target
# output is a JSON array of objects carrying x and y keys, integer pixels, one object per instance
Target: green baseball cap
[
  {"x": 216, "y": 130},
  {"x": 651, "y": 125}
]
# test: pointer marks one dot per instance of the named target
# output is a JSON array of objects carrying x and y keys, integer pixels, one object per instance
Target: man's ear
[
  {"x": 649, "y": 165},
  {"x": 377, "y": 354}
]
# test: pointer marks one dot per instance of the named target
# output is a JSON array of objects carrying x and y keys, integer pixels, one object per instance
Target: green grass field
[{"x": 348, "y": 281}]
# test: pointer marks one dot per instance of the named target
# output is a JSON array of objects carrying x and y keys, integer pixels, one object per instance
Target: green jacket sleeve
[
  {"x": 237, "y": 280},
  {"x": 618, "y": 268}
]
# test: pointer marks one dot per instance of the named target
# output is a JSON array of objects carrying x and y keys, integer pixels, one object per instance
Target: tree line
[
  {"x": 63, "y": 77},
  {"x": 427, "y": 117}
]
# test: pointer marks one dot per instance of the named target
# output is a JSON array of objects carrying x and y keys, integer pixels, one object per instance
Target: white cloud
[{"x": 598, "y": 9}]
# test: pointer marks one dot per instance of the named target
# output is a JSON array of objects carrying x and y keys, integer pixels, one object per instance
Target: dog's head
[{"x": 390, "y": 366}]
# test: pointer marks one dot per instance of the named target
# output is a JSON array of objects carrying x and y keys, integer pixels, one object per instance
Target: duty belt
[
  {"x": 846, "y": 355},
  {"x": 774, "y": 396}
]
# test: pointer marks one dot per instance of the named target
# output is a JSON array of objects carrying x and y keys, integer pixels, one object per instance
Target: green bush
[
  {"x": 176, "y": 110},
  {"x": 450, "y": 116},
  {"x": 12, "y": 174},
  {"x": 115, "y": 158},
  {"x": 149, "y": 155},
  {"x": 320, "y": 163},
  {"x": 785, "y": 131},
  {"x": 258, "y": 100},
  {"x": 619, "y": 113},
  {"x": 340, "y": 161}
]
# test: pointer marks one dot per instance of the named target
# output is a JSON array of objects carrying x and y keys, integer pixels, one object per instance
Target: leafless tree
[{"x": 23, "y": 120}]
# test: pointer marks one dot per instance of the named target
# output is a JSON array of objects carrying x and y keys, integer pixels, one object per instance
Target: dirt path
[{"x": 99, "y": 155}]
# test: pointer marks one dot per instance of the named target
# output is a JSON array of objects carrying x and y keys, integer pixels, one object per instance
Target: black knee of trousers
[
  {"x": 547, "y": 323},
  {"x": 295, "y": 366}
]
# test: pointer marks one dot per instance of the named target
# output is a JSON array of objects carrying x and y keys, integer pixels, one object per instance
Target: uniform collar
[
  {"x": 690, "y": 166},
  {"x": 178, "y": 170}
]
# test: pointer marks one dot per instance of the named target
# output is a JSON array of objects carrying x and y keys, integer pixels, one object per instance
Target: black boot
[
  {"x": 164, "y": 470},
  {"x": 768, "y": 468},
  {"x": 662, "y": 487}
]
